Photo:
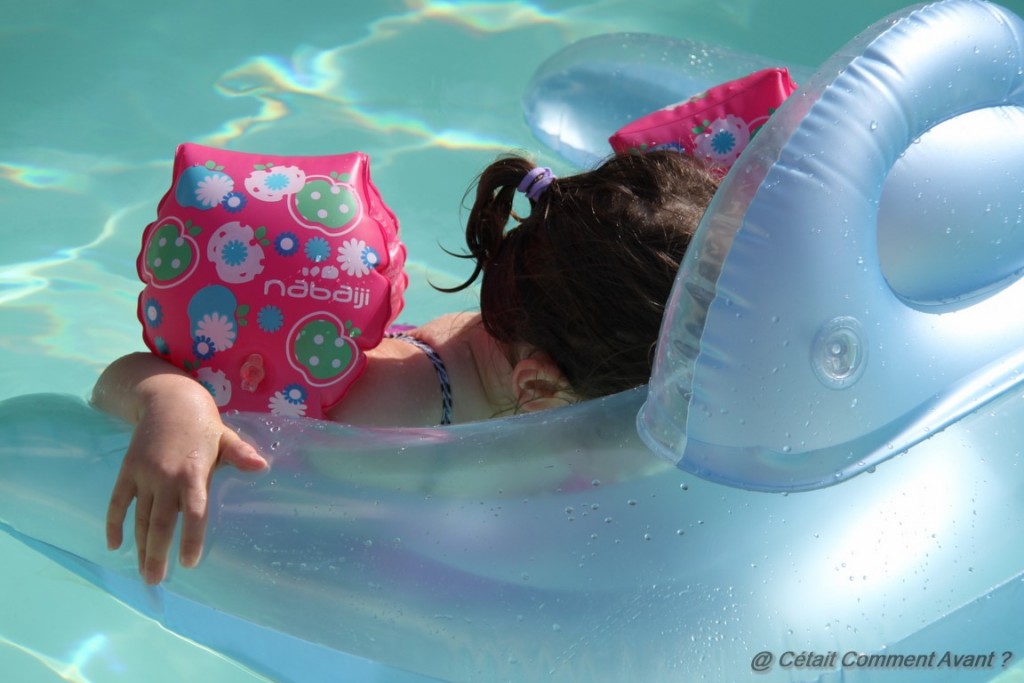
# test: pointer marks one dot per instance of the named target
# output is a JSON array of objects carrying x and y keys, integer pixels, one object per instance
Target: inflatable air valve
[{"x": 252, "y": 372}]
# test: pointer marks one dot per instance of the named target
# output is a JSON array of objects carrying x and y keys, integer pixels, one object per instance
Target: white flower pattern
[
  {"x": 350, "y": 256},
  {"x": 212, "y": 189},
  {"x": 219, "y": 328},
  {"x": 280, "y": 405}
]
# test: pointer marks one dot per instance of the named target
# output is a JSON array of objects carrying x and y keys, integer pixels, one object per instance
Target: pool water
[{"x": 96, "y": 96}]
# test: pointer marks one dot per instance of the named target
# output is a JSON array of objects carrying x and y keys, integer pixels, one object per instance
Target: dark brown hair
[{"x": 586, "y": 275}]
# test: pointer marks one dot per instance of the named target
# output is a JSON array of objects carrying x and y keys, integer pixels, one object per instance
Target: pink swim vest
[{"x": 267, "y": 277}]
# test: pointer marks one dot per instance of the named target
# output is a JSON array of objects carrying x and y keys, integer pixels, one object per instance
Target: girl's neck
[
  {"x": 400, "y": 388},
  {"x": 477, "y": 365}
]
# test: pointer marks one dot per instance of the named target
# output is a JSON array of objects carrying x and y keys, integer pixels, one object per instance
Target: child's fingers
[
  {"x": 143, "y": 511},
  {"x": 193, "y": 526},
  {"x": 237, "y": 453},
  {"x": 163, "y": 518},
  {"x": 117, "y": 510}
]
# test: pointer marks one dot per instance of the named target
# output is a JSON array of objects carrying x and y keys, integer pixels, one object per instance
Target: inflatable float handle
[{"x": 798, "y": 350}]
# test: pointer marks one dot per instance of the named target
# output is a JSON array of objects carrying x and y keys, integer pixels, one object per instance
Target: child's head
[{"x": 585, "y": 277}]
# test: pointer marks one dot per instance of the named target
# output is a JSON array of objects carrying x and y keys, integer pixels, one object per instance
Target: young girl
[{"x": 571, "y": 303}]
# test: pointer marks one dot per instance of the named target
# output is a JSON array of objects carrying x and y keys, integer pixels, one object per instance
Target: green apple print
[
  {"x": 170, "y": 252},
  {"x": 322, "y": 350},
  {"x": 326, "y": 202}
]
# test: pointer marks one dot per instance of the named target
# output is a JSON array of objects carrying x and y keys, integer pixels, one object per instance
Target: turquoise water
[{"x": 96, "y": 96}]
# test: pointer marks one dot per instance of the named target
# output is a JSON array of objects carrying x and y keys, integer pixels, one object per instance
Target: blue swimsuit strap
[{"x": 439, "y": 368}]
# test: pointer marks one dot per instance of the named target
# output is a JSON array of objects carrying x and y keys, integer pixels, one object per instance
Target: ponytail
[
  {"x": 491, "y": 211},
  {"x": 586, "y": 275}
]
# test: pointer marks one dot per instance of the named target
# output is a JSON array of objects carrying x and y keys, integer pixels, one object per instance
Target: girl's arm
[{"x": 179, "y": 438}]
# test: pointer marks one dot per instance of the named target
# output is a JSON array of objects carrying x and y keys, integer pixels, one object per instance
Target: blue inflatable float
[{"x": 846, "y": 333}]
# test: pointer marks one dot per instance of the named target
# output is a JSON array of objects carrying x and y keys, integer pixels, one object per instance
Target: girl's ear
[{"x": 538, "y": 384}]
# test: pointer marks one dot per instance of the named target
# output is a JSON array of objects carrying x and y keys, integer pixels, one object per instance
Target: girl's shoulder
[{"x": 449, "y": 328}]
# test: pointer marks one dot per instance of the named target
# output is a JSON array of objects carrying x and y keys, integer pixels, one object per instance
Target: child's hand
[
  {"x": 179, "y": 438},
  {"x": 167, "y": 470}
]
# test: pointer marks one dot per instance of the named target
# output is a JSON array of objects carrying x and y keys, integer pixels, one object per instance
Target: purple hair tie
[{"x": 536, "y": 181}]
